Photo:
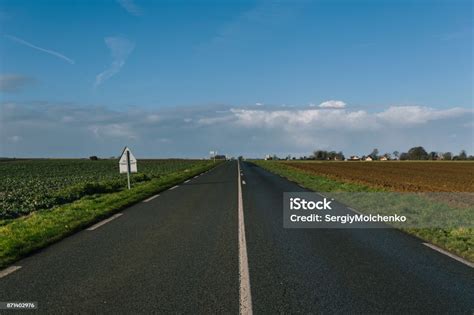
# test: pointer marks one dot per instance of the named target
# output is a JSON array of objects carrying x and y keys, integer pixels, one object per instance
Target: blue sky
[{"x": 185, "y": 62}]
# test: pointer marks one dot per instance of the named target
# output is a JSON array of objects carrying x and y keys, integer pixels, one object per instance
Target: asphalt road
[{"x": 180, "y": 253}]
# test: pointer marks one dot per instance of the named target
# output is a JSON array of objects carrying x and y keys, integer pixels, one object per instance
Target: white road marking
[
  {"x": 187, "y": 181},
  {"x": 151, "y": 198},
  {"x": 245, "y": 294},
  {"x": 442, "y": 251},
  {"x": 5, "y": 272},
  {"x": 174, "y": 187},
  {"x": 196, "y": 176},
  {"x": 243, "y": 182},
  {"x": 98, "y": 225}
]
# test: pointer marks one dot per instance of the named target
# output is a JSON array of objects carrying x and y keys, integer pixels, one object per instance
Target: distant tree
[
  {"x": 462, "y": 155},
  {"x": 396, "y": 154},
  {"x": 375, "y": 154},
  {"x": 404, "y": 156},
  {"x": 324, "y": 155},
  {"x": 93, "y": 158},
  {"x": 320, "y": 155},
  {"x": 433, "y": 155},
  {"x": 388, "y": 156},
  {"x": 331, "y": 155},
  {"x": 447, "y": 156},
  {"x": 417, "y": 153}
]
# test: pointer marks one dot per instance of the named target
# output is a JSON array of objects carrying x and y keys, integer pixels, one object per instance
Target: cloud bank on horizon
[{"x": 45, "y": 129}]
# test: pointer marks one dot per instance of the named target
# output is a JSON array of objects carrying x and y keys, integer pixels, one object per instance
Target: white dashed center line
[
  {"x": 245, "y": 295},
  {"x": 151, "y": 198}
]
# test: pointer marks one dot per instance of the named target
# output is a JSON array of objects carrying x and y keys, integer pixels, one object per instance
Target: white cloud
[
  {"x": 407, "y": 115},
  {"x": 120, "y": 49},
  {"x": 131, "y": 7},
  {"x": 113, "y": 130},
  {"x": 214, "y": 120},
  {"x": 48, "y": 51},
  {"x": 332, "y": 104},
  {"x": 305, "y": 118}
]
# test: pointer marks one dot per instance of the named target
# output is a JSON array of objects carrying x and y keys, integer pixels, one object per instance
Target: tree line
[{"x": 416, "y": 153}]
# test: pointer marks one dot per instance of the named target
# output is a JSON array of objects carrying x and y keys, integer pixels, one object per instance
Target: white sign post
[
  {"x": 127, "y": 164},
  {"x": 213, "y": 154}
]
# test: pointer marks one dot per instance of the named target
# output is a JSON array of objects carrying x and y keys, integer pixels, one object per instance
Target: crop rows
[
  {"x": 30, "y": 185},
  {"x": 398, "y": 176}
]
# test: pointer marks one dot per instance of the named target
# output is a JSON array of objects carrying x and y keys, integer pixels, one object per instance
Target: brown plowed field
[{"x": 398, "y": 176}]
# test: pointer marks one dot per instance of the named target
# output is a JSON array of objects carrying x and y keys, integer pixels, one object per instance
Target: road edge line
[
  {"x": 451, "y": 255},
  {"x": 5, "y": 272},
  {"x": 98, "y": 225},
  {"x": 245, "y": 305}
]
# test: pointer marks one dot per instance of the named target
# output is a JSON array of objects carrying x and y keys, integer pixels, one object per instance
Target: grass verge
[
  {"x": 24, "y": 235},
  {"x": 459, "y": 241}
]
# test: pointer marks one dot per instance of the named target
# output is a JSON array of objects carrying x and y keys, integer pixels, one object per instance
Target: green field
[{"x": 31, "y": 185}]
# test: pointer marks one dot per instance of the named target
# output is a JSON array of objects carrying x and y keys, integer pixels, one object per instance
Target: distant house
[
  {"x": 354, "y": 158},
  {"x": 368, "y": 158},
  {"x": 268, "y": 157},
  {"x": 383, "y": 158}
]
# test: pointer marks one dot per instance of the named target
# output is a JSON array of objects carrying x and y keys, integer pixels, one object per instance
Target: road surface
[{"x": 184, "y": 252}]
